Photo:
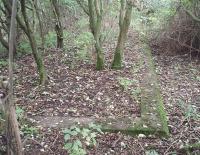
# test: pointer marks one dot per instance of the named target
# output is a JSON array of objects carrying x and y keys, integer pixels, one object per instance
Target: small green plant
[
  {"x": 77, "y": 138},
  {"x": 82, "y": 23},
  {"x": 126, "y": 83},
  {"x": 151, "y": 152},
  {"x": 3, "y": 63},
  {"x": 19, "y": 113},
  {"x": 136, "y": 94},
  {"x": 50, "y": 39},
  {"x": 24, "y": 48},
  {"x": 190, "y": 111},
  {"x": 29, "y": 130},
  {"x": 26, "y": 129},
  {"x": 84, "y": 43}
]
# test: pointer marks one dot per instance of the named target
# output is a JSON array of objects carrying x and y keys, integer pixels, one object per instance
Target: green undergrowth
[{"x": 191, "y": 147}]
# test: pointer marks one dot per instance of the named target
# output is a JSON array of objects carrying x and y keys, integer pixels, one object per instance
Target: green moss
[
  {"x": 191, "y": 147},
  {"x": 117, "y": 62},
  {"x": 130, "y": 127},
  {"x": 158, "y": 98},
  {"x": 134, "y": 131},
  {"x": 100, "y": 62}
]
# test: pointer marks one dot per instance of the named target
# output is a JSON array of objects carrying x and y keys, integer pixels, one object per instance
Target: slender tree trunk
[
  {"x": 24, "y": 25},
  {"x": 14, "y": 145},
  {"x": 40, "y": 23},
  {"x": 36, "y": 54},
  {"x": 95, "y": 17},
  {"x": 124, "y": 23},
  {"x": 8, "y": 19},
  {"x": 58, "y": 26}
]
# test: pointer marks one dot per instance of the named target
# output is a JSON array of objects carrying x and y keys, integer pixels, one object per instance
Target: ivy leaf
[
  {"x": 66, "y": 137},
  {"x": 151, "y": 152},
  {"x": 68, "y": 146}
]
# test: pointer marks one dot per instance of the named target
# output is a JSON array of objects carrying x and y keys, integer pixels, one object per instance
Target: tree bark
[
  {"x": 25, "y": 26},
  {"x": 7, "y": 15},
  {"x": 40, "y": 23},
  {"x": 124, "y": 23},
  {"x": 95, "y": 18},
  {"x": 14, "y": 145},
  {"x": 58, "y": 26},
  {"x": 37, "y": 56}
]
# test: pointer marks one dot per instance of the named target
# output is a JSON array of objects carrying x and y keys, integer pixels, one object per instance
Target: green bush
[
  {"x": 3, "y": 63},
  {"x": 76, "y": 138},
  {"x": 84, "y": 43},
  {"x": 51, "y": 38},
  {"x": 24, "y": 48}
]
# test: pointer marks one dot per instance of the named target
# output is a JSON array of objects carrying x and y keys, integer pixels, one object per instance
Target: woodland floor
[{"x": 78, "y": 90}]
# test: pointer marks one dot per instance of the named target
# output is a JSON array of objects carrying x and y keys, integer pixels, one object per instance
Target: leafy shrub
[
  {"x": 84, "y": 43},
  {"x": 2, "y": 49},
  {"x": 23, "y": 48},
  {"x": 82, "y": 23},
  {"x": 126, "y": 83},
  {"x": 3, "y": 63},
  {"x": 190, "y": 111},
  {"x": 51, "y": 38},
  {"x": 77, "y": 138},
  {"x": 26, "y": 129}
]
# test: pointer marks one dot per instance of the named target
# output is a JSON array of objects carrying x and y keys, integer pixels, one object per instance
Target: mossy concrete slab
[
  {"x": 153, "y": 117},
  {"x": 153, "y": 114}
]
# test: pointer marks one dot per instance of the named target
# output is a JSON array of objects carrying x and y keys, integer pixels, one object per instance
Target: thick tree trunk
[
  {"x": 58, "y": 26},
  {"x": 124, "y": 23},
  {"x": 14, "y": 145}
]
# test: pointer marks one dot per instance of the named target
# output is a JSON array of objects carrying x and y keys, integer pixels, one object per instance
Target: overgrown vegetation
[
  {"x": 77, "y": 138},
  {"x": 87, "y": 56}
]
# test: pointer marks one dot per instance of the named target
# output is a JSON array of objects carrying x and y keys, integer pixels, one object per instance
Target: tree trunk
[
  {"x": 40, "y": 23},
  {"x": 100, "y": 57},
  {"x": 14, "y": 145},
  {"x": 36, "y": 54},
  {"x": 7, "y": 21},
  {"x": 124, "y": 23},
  {"x": 38, "y": 59},
  {"x": 58, "y": 26},
  {"x": 95, "y": 9},
  {"x": 24, "y": 25}
]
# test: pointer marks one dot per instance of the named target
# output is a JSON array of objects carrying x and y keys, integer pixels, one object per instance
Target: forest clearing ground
[{"x": 70, "y": 94}]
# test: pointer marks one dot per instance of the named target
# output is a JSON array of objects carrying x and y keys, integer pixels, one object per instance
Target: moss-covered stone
[{"x": 152, "y": 107}]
